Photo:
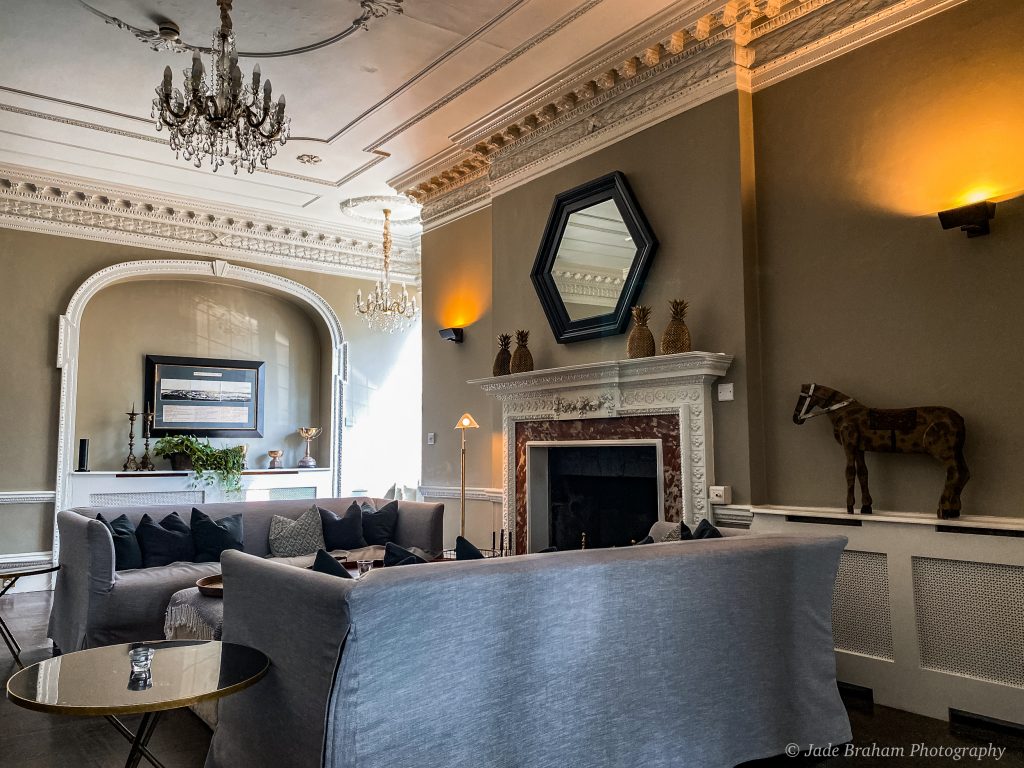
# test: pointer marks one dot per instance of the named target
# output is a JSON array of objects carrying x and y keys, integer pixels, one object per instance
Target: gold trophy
[{"x": 309, "y": 434}]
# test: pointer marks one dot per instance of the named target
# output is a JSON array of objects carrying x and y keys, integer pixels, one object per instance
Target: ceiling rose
[
  {"x": 161, "y": 39},
  {"x": 402, "y": 212},
  {"x": 220, "y": 118}
]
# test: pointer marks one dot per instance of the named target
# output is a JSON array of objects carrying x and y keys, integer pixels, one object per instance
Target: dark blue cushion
[
  {"x": 396, "y": 555},
  {"x": 168, "y": 542},
  {"x": 127, "y": 554},
  {"x": 211, "y": 537},
  {"x": 345, "y": 532},
  {"x": 464, "y": 550},
  {"x": 324, "y": 563},
  {"x": 379, "y": 526},
  {"x": 705, "y": 530},
  {"x": 648, "y": 540}
]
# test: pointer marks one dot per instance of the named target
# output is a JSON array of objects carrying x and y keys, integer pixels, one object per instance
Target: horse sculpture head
[{"x": 816, "y": 400}]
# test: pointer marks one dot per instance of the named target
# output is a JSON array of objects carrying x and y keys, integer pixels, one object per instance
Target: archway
[{"x": 68, "y": 346}]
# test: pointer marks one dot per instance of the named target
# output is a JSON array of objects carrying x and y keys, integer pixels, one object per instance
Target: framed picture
[{"x": 205, "y": 397}]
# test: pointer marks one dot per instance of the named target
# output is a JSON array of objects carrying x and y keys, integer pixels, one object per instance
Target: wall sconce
[
  {"x": 452, "y": 334},
  {"x": 972, "y": 219}
]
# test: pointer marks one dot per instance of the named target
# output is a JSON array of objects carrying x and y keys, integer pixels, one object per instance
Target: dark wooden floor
[{"x": 35, "y": 740}]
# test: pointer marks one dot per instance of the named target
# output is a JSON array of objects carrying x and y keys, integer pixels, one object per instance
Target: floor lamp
[{"x": 465, "y": 422}]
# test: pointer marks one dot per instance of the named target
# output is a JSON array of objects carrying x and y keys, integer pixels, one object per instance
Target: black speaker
[{"x": 83, "y": 455}]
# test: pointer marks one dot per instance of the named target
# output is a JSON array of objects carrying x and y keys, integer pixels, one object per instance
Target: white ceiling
[{"x": 75, "y": 91}]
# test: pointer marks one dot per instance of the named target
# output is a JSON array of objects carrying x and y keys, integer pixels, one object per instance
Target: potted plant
[{"x": 213, "y": 466}]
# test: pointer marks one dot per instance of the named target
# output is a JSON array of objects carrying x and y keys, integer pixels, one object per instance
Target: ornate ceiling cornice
[
  {"x": 73, "y": 207},
  {"x": 674, "y": 65}
]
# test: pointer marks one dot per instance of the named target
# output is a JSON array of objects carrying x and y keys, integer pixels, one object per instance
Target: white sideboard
[{"x": 121, "y": 489}]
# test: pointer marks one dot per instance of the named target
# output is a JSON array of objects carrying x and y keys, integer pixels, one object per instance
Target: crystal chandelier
[
  {"x": 220, "y": 118},
  {"x": 383, "y": 310}
]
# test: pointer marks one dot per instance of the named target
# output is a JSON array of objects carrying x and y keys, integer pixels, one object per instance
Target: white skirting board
[
  {"x": 25, "y": 560},
  {"x": 927, "y": 613}
]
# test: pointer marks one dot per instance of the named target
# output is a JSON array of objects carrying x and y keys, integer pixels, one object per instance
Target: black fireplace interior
[{"x": 610, "y": 493}]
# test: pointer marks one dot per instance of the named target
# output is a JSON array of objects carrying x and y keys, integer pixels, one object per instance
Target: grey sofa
[
  {"x": 94, "y": 605},
  {"x": 699, "y": 653}
]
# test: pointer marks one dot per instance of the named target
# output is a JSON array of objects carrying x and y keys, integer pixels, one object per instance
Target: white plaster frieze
[{"x": 73, "y": 207}]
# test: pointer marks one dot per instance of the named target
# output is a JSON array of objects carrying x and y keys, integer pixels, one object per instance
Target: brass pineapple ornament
[
  {"x": 503, "y": 360},
  {"x": 676, "y": 337},
  {"x": 522, "y": 359},
  {"x": 641, "y": 340}
]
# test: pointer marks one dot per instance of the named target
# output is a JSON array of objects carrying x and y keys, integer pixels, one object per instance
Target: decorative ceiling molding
[
  {"x": 796, "y": 48},
  {"x": 501, "y": 63},
  {"x": 72, "y": 207},
  {"x": 717, "y": 47},
  {"x": 167, "y": 39}
]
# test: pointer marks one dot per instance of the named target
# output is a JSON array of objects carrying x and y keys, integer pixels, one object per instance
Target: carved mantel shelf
[
  {"x": 678, "y": 385},
  {"x": 633, "y": 385}
]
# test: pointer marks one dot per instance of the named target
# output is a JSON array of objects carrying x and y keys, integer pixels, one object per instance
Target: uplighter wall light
[
  {"x": 972, "y": 219},
  {"x": 466, "y": 421},
  {"x": 452, "y": 334}
]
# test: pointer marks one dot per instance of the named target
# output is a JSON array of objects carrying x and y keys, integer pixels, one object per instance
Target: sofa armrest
[
  {"x": 420, "y": 524},
  {"x": 300, "y": 619},
  {"x": 87, "y": 570}
]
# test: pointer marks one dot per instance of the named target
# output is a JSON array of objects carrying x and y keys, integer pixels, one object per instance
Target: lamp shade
[{"x": 466, "y": 421}]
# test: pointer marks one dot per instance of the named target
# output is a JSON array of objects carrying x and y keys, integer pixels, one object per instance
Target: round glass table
[{"x": 137, "y": 678}]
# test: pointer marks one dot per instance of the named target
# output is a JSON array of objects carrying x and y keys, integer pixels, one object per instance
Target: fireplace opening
[{"x": 610, "y": 493}]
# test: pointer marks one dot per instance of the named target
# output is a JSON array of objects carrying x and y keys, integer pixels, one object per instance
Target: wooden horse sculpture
[{"x": 934, "y": 430}]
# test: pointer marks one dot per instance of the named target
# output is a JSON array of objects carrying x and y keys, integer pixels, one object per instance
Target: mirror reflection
[{"x": 593, "y": 260}]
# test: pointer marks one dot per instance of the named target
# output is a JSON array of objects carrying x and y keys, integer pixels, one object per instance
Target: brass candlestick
[
  {"x": 131, "y": 464},
  {"x": 146, "y": 462},
  {"x": 309, "y": 434}
]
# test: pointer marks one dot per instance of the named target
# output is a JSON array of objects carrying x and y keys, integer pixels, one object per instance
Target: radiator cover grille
[
  {"x": 970, "y": 618},
  {"x": 861, "y": 619}
]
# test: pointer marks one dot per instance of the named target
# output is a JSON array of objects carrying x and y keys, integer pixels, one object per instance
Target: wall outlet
[
  {"x": 720, "y": 494},
  {"x": 725, "y": 393},
  {"x": 431, "y": 438}
]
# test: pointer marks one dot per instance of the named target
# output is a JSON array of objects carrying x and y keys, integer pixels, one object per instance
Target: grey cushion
[
  {"x": 679, "y": 532},
  {"x": 291, "y": 538}
]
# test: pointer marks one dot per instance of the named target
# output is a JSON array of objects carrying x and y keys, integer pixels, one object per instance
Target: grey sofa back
[
  {"x": 703, "y": 653},
  {"x": 95, "y": 605},
  {"x": 415, "y": 529}
]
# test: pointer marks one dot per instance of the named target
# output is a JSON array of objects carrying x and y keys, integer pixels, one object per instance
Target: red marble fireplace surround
[{"x": 664, "y": 427}]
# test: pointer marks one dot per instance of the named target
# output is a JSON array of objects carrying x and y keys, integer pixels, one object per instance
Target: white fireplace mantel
[{"x": 668, "y": 384}]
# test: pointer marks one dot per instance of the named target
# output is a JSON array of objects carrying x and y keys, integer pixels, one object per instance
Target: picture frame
[{"x": 205, "y": 397}]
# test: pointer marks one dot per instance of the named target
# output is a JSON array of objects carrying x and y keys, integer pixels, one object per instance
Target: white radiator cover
[{"x": 927, "y": 613}]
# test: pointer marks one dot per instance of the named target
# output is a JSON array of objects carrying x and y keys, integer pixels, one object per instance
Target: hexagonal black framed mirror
[{"x": 593, "y": 258}]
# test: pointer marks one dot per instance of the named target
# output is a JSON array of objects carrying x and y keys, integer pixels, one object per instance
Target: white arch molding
[{"x": 223, "y": 271}]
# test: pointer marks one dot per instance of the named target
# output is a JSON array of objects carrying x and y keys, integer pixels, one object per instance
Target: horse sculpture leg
[
  {"x": 851, "y": 475},
  {"x": 957, "y": 476},
  {"x": 865, "y": 494}
]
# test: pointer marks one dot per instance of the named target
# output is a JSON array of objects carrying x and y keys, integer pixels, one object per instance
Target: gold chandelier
[{"x": 386, "y": 308}]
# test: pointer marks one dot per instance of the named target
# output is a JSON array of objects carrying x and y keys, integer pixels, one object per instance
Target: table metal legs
[
  {"x": 139, "y": 739},
  {"x": 5, "y": 631}
]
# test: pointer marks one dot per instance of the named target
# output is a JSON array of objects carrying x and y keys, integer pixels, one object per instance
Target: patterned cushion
[
  {"x": 291, "y": 538},
  {"x": 680, "y": 532}
]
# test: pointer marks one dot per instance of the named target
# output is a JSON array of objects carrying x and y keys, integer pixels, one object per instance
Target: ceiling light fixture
[
  {"x": 383, "y": 310},
  {"x": 221, "y": 118}
]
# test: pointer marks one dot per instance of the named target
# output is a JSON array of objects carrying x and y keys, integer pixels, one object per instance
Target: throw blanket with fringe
[{"x": 193, "y": 616}]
